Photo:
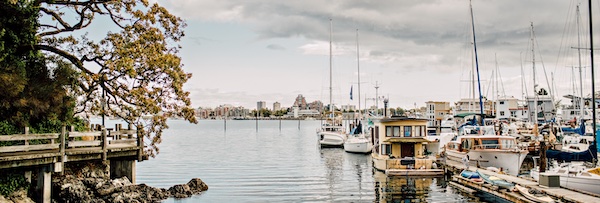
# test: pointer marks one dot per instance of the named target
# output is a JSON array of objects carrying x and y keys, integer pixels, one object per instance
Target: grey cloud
[{"x": 275, "y": 47}]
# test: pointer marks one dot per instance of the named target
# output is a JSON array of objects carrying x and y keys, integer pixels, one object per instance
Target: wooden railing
[{"x": 68, "y": 141}]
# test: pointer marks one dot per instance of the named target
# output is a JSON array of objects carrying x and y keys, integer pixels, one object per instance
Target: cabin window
[
  {"x": 418, "y": 132},
  {"x": 467, "y": 143},
  {"x": 386, "y": 149},
  {"x": 407, "y": 131},
  {"x": 502, "y": 113},
  {"x": 396, "y": 131},
  {"x": 508, "y": 144},
  {"x": 490, "y": 144},
  {"x": 388, "y": 131}
]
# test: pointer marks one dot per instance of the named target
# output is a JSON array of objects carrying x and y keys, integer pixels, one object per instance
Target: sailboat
[
  {"x": 481, "y": 144},
  {"x": 581, "y": 176},
  {"x": 358, "y": 141},
  {"x": 331, "y": 133}
]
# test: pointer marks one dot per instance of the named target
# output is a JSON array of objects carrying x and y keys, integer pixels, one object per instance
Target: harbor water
[{"x": 278, "y": 161}]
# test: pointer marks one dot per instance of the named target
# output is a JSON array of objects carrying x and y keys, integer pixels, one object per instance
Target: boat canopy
[{"x": 587, "y": 155}]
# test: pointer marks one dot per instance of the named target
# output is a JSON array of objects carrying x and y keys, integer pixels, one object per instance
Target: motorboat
[
  {"x": 580, "y": 176},
  {"x": 483, "y": 147},
  {"x": 358, "y": 143},
  {"x": 330, "y": 135}
]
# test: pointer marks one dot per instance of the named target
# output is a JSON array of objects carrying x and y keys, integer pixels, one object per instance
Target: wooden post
[
  {"x": 140, "y": 145},
  {"x": 117, "y": 129},
  {"x": 104, "y": 144},
  {"x": 44, "y": 184},
  {"x": 26, "y": 133},
  {"x": 129, "y": 127},
  {"x": 63, "y": 142}
]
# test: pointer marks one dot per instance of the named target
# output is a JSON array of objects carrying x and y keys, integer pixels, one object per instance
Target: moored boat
[
  {"x": 484, "y": 148},
  {"x": 399, "y": 147},
  {"x": 533, "y": 194},
  {"x": 496, "y": 181}
]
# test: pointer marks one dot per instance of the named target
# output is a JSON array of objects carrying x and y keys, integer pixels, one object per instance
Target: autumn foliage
[{"x": 131, "y": 70}]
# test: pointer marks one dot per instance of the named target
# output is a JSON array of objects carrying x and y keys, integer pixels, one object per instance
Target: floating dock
[{"x": 558, "y": 193}]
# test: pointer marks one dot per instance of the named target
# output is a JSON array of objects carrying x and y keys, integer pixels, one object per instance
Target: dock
[
  {"x": 562, "y": 194},
  {"x": 48, "y": 153}
]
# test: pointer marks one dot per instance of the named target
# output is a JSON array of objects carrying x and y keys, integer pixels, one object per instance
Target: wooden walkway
[
  {"x": 560, "y": 193},
  {"x": 30, "y": 150}
]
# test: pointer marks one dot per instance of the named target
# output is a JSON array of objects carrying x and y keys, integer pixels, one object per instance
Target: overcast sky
[{"x": 244, "y": 51}]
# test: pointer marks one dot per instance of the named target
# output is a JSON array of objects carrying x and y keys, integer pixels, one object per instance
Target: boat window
[
  {"x": 420, "y": 130},
  {"x": 386, "y": 149},
  {"x": 396, "y": 131},
  {"x": 467, "y": 143},
  {"x": 489, "y": 144},
  {"x": 508, "y": 144},
  {"x": 407, "y": 131},
  {"x": 388, "y": 131}
]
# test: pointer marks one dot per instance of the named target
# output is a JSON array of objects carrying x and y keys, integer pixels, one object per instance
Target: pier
[
  {"x": 562, "y": 194},
  {"x": 47, "y": 153}
]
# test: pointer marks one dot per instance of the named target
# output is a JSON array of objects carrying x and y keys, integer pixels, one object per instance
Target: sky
[{"x": 243, "y": 51}]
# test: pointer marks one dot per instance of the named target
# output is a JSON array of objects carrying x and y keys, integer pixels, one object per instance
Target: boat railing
[
  {"x": 408, "y": 163},
  {"x": 498, "y": 146}
]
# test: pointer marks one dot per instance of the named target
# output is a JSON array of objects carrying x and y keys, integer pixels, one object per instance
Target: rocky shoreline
[{"x": 92, "y": 183}]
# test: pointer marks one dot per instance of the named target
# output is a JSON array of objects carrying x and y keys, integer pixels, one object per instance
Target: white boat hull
[
  {"x": 331, "y": 139},
  {"x": 358, "y": 144},
  {"x": 573, "y": 181},
  {"x": 509, "y": 161}
]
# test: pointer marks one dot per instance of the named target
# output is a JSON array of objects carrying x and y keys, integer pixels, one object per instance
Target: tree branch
[{"x": 74, "y": 60}]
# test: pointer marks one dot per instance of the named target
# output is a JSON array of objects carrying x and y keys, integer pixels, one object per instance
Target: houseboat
[{"x": 399, "y": 147}]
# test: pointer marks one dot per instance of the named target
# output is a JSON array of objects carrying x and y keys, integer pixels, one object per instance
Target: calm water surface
[{"x": 277, "y": 164}]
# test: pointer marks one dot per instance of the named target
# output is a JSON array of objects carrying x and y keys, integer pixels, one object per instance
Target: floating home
[{"x": 399, "y": 144}]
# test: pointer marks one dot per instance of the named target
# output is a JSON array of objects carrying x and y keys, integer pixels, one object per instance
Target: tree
[
  {"x": 32, "y": 92},
  {"x": 133, "y": 71}
]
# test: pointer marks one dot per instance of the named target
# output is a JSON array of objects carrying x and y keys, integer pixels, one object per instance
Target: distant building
[
  {"x": 472, "y": 106},
  {"x": 316, "y": 105},
  {"x": 545, "y": 108},
  {"x": 276, "y": 106},
  {"x": 436, "y": 111},
  {"x": 348, "y": 107},
  {"x": 300, "y": 102},
  {"x": 508, "y": 107},
  {"x": 261, "y": 105}
]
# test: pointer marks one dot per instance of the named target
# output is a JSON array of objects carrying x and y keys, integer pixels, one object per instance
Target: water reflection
[
  {"x": 333, "y": 159},
  {"x": 413, "y": 189}
]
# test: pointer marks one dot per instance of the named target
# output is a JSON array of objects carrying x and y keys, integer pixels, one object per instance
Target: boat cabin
[
  {"x": 399, "y": 144},
  {"x": 480, "y": 138}
]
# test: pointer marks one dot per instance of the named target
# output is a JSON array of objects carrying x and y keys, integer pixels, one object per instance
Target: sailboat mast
[
  {"x": 331, "y": 108},
  {"x": 581, "y": 111},
  {"x": 358, "y": 65},
  {"x": 593, "y": 82},
  {"x": 535, "y": 107},
  {"x": 477, "y": 65}
]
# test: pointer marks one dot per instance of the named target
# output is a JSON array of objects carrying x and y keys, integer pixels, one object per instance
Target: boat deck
[{"x": 560, "y": 193}]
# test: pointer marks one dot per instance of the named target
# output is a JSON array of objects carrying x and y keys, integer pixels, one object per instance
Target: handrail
[{"x": 117, "y": 139}]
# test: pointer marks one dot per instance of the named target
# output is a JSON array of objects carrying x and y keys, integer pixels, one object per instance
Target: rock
[
  {"x": 91, "y": 183},
  {"x": 20, "y": 196},
  {"x": 181, "y": 191},
  {"x": 4, "y": 200},
  {"x": 197, "y": 185}
]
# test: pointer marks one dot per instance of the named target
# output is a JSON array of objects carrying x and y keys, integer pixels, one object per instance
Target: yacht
[{"x": 484, "y": 148}]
